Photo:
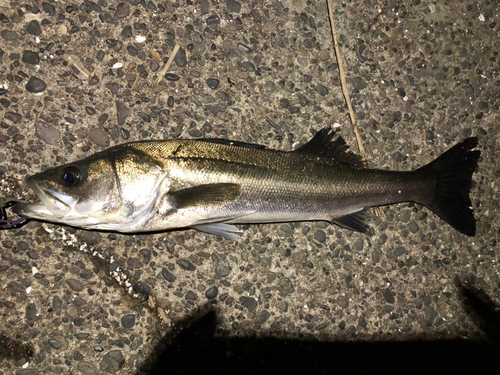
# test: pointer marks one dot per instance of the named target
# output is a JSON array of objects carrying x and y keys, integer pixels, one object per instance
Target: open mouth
[{"x": 51, "y": 203}]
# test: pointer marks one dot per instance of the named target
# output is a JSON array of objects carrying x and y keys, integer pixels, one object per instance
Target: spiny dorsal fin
[
  {"x": 322, "y": 145},
  {"x": 228, "y": 142}
]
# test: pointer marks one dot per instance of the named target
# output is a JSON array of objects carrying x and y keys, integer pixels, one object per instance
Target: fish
[{"x": 212, "y": 184}]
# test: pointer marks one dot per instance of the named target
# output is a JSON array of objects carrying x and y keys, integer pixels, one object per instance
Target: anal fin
[
  {"x": 354, "y": 221},
  {"x": 219, "y": 227}
]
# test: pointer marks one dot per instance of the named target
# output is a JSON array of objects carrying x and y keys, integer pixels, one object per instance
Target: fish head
[{"x": 112, "y": 190}]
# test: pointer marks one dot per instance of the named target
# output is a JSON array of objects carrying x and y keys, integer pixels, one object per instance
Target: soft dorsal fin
[{"x": 322, "y": 144}]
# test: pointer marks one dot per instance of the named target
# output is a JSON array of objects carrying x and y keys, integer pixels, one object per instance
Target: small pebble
[
  {"x": 112, "y": 362},
  {"x": 287, "y": 285},
  {"x": 248, "y": 302},
  {"x": 388, "y": 296},
  {"x": 35, "y": 85},
  {"x": 243, "y": 49},
  {"x": 30, "y": 57},
  {"x": 75, "y": 285},
  {"x": 320, "y": 236},
  {"x": 171, "y": 77},
  {"x": 270, "y": 86},
  {"x": 322, "y": 90},
  {"x": 204, "y": 6},
  {"x": 14, "y": 117},
  {"x": 263, "y": 317},
  {"x": 141, "y": 288},
  {"x": 92, "y": 238},
  {"x": 47, "y": 133},
  {"x": 132, "y": 50},
  {"x": 31, "y": 314},
  {"x": 86, "y": 368},
  {"x": 413, "y": 227},
  {"x": 358, "y": 83},
  {"x": 169, "y": 276},
  {"x": 100, "y": 55},
  {"x": 128, "y": 321},
  {"x": 179, "y": 110},
  {"x": 405, "y": 215},
  {"x": 55, "y": 344},
  {"x": 250, "y": 67},
  {"x": 233, "y": 6},
  {"x": 124, "y": 133},
  {"x": 213, "y": 83},
  {"x": 180, "y": 58},
  {"x": 283, "y": 306},
  {"x": 9, "y": 35},
  {"x": 211, "y": 292},
  {"x": 358, "y": 245},
  {"x": 49, "y": 9},
  {"x": 302, "y": 61},
  {"x": 186, "y": 265},
  {"x": 154, "y": 65},
  {"x": 99, "y": 137},
  {"x": 191, "y": 296},
  {"x": 213, "y": 20},
  {"x": 122, "y": 10},
  {"x": 144, "y": 116},
  {"x": 122, "y": 112},
  {"x": 90, "y": 110},
  {"x": 207, "y": 127},
  {"x": 170, "y": 101},
  {"x": 207, "y": 99},
  {"x": 33, "y": 28},
  {"x": 222, "y": 271},
  {"x": 195, "y": 100}
]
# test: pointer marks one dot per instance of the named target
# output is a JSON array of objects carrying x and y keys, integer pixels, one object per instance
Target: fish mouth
[{"x": 52, "y": 204}]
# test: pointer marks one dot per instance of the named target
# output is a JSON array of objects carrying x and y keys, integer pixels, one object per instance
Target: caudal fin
[{"x": 453, "y": 175}]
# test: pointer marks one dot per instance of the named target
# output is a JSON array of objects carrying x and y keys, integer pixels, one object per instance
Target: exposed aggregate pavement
[{"x": 77, "y": 77}]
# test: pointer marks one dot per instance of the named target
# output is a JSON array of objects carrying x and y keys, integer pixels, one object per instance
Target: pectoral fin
[
  {"x": 220, "y": 229},
  {"x": 206, "y": 195}
]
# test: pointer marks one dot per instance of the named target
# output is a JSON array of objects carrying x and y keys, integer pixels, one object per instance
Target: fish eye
[{"x": 71, "y": 176}]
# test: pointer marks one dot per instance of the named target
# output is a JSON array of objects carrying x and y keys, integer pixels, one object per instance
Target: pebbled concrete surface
[{"x": 423, "y": 75}]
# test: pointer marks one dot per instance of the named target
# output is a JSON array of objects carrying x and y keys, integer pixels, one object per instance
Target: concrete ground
[{"x": 77, "y": 77}]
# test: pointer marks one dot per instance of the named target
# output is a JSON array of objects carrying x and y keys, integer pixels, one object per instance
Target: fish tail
[{"x": 452, "y": 172}]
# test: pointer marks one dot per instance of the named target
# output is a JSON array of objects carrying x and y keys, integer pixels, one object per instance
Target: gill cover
[{"x": 107, "y": 190}]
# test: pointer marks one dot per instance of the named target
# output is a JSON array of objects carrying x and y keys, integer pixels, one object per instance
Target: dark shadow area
[
  {"x": 482, "y": 310},
  {"x": 196, "y": 350}
]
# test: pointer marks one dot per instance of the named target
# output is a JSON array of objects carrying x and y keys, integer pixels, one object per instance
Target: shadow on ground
[{"x": 196, "y": 350}]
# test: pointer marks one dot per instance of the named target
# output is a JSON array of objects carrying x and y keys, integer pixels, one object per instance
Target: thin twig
[
  {"x": 136, "y": 82},
  {"x": 155, "y": 54},
  {"x": 167, "y": 65},
  {"x": 345, "y": 90},
  {"x": 78, "y": 65}
]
